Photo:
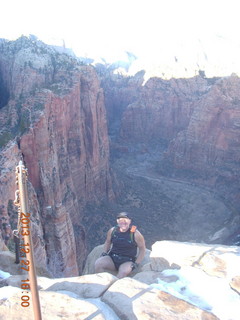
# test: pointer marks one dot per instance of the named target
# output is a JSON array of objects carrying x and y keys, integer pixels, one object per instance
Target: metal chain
[{"x": 18, "y": 205}]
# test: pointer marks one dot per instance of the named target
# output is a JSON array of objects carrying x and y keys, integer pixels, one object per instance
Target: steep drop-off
[
  {"x": 96, "y": 142},
  {"x": 176, "y": 151},
  {"x": 55, "y": 121}
]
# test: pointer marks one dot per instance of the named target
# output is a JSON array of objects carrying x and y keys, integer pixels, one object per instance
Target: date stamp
[{"x": 24, "y": 261}]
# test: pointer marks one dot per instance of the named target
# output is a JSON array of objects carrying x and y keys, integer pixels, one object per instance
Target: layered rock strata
[
  {"x": 53, "y": 118},
  {"x": 194, "y": 126},
  {"x": 162, "y": 109},
  {"x": 209, "y": 146}
]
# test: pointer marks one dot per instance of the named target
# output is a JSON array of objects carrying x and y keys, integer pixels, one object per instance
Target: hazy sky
[{"x": 162, "y": 32}]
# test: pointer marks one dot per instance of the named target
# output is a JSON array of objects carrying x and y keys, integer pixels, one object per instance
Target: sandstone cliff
[
  {"x": 209, "y": 146},
  {"x": 53, "y": 117},
  {"x": 186, "y": 130},
  {"x": 162, "y": 109}
]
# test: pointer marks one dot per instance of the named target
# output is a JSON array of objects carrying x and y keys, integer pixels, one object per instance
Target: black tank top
[{"x": 123, "y": 244}]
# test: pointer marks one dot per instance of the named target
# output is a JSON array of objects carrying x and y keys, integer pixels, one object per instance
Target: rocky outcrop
[
  {"x": 138, "y": 297},
  {"x": 53, "y": 117},
  {"x": 96, "y": 253},
  {"x": 8, "y": 264},
  {"x": 215, "y": 260},
  {"x": 143, "y": 302}
]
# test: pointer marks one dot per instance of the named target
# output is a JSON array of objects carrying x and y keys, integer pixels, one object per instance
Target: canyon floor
[{"x": 162, "y": 208}]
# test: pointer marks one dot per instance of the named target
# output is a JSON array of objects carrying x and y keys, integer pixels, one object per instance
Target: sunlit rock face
[{"x": 53, "y": 118}]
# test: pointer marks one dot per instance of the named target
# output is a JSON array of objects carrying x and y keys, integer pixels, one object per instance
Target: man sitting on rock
[{"x": 124, "y": 248}]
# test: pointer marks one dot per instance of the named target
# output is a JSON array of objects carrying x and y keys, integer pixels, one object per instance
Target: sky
[
  {"x": 212, "y": 294},
  {"x": 198, "y": 34}
]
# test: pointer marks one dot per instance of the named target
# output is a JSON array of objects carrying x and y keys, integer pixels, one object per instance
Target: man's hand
[
  {"x": 134, "y": 265},
  {"x": 104, "y": 254}
]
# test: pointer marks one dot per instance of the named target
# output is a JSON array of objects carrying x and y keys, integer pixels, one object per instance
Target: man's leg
[
  {"x": 104, "y": 264},
  {"x": 125, "y": 269}
]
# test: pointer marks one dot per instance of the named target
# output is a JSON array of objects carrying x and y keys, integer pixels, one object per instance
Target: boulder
[
  {"x": 54, "y": 306},
  {"x": 7, "y": 264},
  {"x": 216, "y": 260},
  {"x": 140, "y": 301},
  {"x": 221, "y": 261},
  {"x": 16, "y": 281},
  {"x": 3, "y": 247},
  {"x": 235, "y": 284},
  {"x": 150, "y": 277},
  {"x": 148, "y": 294},
  {"x": 87, "y": 286},
  {"x": 174, "y": 254},
  {"x": 96, "y": 253}
]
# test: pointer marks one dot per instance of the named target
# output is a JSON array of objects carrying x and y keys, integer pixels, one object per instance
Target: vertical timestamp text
[{"x": 24, "y": 252}]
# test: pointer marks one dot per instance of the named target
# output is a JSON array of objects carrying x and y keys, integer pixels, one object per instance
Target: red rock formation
[
  {"x": 198, "y": 121},
  {"x": 68, "y": 150},
  {"x": 162, "y": 109},
  {"x": 64, "y": 144},
  {"x": 210, "y": 145},
  {"x": 197, "y": 117},
  {"x": 52, "y": 114}
]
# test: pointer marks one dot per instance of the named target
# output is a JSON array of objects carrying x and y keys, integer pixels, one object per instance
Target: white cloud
[{"x": 154, "y": 30}]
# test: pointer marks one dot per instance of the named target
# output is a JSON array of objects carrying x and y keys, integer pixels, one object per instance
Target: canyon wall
[
  {"x": 188, "y": 130},
  {"x": 53, "y": 118},
  {"x": 162, "y": 109},
  {"x": 197, "y": 121},
  {"x": 57, "y": 115},
  {"x": 209, "y": 146}
]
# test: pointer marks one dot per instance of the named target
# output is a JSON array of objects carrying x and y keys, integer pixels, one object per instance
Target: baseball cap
[{"x": 123, "y": 215}]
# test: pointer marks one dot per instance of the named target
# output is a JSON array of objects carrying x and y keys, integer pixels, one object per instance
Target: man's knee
[
  {"x": 104, "y": 263},
  {"x": 124, "y": 270},
  {"x": 98, "y": 265},
  {"x": 123, "y": 273}
]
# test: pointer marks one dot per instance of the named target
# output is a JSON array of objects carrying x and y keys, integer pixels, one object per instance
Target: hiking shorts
[{"x": 118, "y": 259}]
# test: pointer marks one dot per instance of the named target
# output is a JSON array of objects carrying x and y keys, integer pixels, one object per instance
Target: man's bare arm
[
  {"x": 107, "y": 244},
  {"x": 141, "y": 246}
]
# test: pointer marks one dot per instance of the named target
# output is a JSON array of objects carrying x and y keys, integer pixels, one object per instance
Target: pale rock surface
[
  {"x": 42, "y": 282},
  {"x": 7, "y": 264},
  {"x": 3, "y": 247},
  {"x": 175, "y": 254},
  {"x": 150, "y": 277},
  {"x": 53, "y": 306},
  {"x": 221, "y": 261},
  {"x": 140, "y": 301},
  {"x": 88, "y": 286},
  {"x": 87, "y": 296},
  {"x": 235, "y": 284},
  {"x": 215, "y": 260}
]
